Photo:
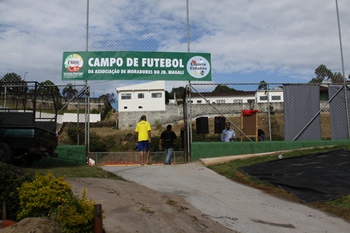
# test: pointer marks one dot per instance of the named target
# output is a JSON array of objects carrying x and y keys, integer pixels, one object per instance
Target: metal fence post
[{"x": 98, "y": 218}]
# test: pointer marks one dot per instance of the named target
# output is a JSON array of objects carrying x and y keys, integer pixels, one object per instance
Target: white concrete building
[
  {"x": 273, "y": 96},
  {"x": 235, "y": 97},
  {"x": 142, "y": 97},
  {"x": 239, "y": 97}
]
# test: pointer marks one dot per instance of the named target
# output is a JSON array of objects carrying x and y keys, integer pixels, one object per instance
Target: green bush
[
  {"x": 94, "y": 111},
  {"x": 76, "y": 215},
  {"x": 43, "y": 196},
  {"x": 158, "y": 124},
  {"x": 10, "y": 179},
  {"x": 130, "y": 137},
  {"x": 111, "y": 142},
  {"x": 51, "y": 197},
  {"x": 97, "y": 143},
  {"x": 154, "y": 146},
  {"x": 73, "y": 131}
]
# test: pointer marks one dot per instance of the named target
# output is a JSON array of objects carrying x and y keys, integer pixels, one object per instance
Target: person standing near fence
[
  {"x": 228, "y": 135},
  {"x": 143, "y": 138},
  {"x": 182, "y": 135},
  {"x": 167, "y": 137}
]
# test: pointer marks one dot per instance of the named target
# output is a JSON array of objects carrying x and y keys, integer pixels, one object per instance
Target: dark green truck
[{"x": 28, "y": 117}]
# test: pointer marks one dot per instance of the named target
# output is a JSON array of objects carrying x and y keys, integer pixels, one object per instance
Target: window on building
[
  {"x": 157, "y": 95},
  {"x": 125, "y": 107},
  {"x": 263, "y": 97},
  {"x": 126, "y": 96},
  {"x": 140, "y": 95},
  {"x": 140, "y": 107},
  {"x": 199, "y": 101},
  {"x": 220, "y": 101},
  {"x": 275, "y": 97},
  {"x": 238, "y": 101}
]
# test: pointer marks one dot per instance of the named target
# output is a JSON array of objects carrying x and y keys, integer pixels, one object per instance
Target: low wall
[
  {"x": 129, "y": 120},
  {"x": 73, "y": 117},
  {"x": 76, "y": 155},
  {"x": 201, "y": 150},
  {"x": 67, "y": 156}
]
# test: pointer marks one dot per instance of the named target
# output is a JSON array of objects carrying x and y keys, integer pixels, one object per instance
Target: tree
[
  {"x": 107, "y": 100},
  {"x": 48, "y": 87},
  {"x": 322, "y": 72},
  {"x": 69, "y": 91},
  {"x": 179, "y": 92},
  {"x": 262, "y": 85},
  {"x": 223, "y": 88},
  {"x": 14, "y": 83},
  {"x": 167, "y": 97},
  {"x": 11, "y": 77},
  {"x": 337, "y": 78}
]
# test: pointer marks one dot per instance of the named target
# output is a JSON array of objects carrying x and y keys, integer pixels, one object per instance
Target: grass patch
[
  {"x": 79, "y": 172},
  {"x": 339, "y": 207}
]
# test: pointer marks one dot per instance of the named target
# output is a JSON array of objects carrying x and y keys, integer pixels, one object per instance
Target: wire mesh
[
  {"x": 132, "y": 158},
  {"x": 250, "y": 41},
  {"x": 257, "y": 111}
]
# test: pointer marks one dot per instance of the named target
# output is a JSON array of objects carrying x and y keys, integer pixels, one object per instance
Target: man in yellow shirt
[{"x": 143, "y": 138}]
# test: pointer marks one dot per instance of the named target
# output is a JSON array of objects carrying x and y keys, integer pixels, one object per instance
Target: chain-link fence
[
  {"x": 131, "y": 158},
  {"x": 53, "y": 107},
  {"x": 269, "y": 111},
  {"x": 249, "y": 41},
  {"x": 34, "y": 98},
  {"x": 275, "y": 41},
  {"x": 73, "y": 119}
]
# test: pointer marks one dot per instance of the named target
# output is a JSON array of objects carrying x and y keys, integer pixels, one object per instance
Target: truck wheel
[{"x": 5, "y": 153}]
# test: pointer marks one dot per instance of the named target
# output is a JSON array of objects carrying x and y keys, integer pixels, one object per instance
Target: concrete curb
[{"x": 225, "y": 159}]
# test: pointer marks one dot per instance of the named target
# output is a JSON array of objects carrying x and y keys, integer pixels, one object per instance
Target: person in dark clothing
[
  {"x": 261, "y": 135},
  {"x": 182, "y": 134},
  {"x": 166, "y": 140}
]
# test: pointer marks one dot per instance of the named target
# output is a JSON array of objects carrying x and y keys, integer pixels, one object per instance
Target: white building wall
[
  {"x": 68, "y": 117},
  {"x": 275, "y": 96},
  {"x": 135, "y": 104},
  {"x": 174, "y": 113},
  {"x": 153, "y": 97},
  {"x": 73, "y": 117},
  {"x": 222, "y": 99}
]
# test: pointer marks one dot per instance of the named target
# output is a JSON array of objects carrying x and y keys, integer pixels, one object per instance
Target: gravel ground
[{"x": 234, "y": 206}]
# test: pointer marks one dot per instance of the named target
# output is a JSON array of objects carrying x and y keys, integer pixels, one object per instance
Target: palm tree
[
  {"x": 69, "y": 91},
  {"x": 323, "y": 72}
]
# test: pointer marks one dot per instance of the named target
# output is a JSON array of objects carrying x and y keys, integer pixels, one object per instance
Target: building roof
[
  {"x": 156, "y": 85},
  {"x": 225, "y": 94}
]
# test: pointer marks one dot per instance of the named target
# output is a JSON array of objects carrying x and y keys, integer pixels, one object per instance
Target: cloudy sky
[{"x": 279, "y": 41}]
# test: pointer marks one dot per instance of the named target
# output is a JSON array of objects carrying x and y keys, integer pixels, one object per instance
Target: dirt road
[
  {"x": 130, "y": 207},
  {"x": 234, "y": 206}
]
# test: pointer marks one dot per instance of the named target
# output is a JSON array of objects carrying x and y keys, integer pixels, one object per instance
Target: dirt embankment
[{"x": 130, "y": 207}]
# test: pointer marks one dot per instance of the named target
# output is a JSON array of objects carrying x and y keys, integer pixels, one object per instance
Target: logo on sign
[
  {"x": 198, "y": 67},
  {"x": 73, "y": 63}
]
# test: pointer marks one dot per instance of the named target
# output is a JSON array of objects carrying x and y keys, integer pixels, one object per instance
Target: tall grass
[{"x": 79, "y": 172}]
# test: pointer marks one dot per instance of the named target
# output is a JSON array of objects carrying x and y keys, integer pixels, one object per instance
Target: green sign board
[{"x": 107, "y": 65}]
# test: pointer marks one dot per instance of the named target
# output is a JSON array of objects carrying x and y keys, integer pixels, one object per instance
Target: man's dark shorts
[{"x": 143, "y": 145}]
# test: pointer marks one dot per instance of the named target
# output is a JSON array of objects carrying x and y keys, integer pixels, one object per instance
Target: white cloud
[{"x": 261, "y": 38}]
